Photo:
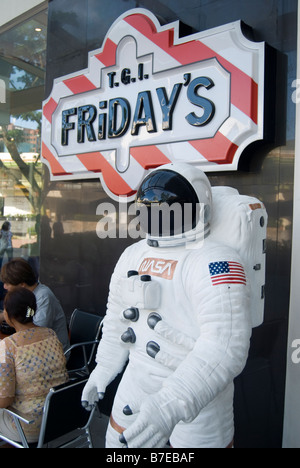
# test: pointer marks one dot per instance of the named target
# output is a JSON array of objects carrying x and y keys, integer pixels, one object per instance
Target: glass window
[{"x": 22, "y": 79}]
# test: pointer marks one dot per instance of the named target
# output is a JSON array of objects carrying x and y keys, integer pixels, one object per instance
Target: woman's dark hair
[
  {"x": 6, "y": 226},
  {"x": 18, "y": 271},
  {"x": 20, "y": 305}
]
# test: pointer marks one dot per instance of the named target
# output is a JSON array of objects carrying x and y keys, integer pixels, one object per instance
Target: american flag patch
[{"x": 227, "y": 273}]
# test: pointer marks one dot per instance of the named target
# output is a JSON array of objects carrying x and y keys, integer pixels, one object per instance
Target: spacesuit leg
[
  {"x": 129, "y": 391},
  {"x": 112, "y": 436}
]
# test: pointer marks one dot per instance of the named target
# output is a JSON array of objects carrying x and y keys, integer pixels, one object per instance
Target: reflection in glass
[{"x": 22, "y": 78}]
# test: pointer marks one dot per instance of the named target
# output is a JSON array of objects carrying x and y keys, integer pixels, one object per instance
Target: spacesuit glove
[
  {"x": 158, "y": 415},
  {"x": 95, "y": 387}
]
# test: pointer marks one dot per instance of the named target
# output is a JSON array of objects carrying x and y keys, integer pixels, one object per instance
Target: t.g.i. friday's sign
[{"x": 149, "y": 98}]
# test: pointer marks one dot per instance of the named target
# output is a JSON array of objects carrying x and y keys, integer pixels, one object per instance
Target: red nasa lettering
[{"x": 158, "y": 267}]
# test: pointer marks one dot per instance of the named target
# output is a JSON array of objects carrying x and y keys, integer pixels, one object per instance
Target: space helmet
[{"x": 174, "y": 205}]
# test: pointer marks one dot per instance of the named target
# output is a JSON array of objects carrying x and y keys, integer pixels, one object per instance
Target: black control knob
[
  {"x": 131, "y": 314},
  {"x": 128, "y": 336},
  {"x": 145, "y": 278},
  {"x": 152, "y": 349},
  {"x": 153, "y": 319},
  {"x": 132, "y": 273}
]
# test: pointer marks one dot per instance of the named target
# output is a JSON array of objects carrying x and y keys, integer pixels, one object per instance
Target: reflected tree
[
  {"x": 31, "y": 171},
  {"x": 23, "y": 62}
]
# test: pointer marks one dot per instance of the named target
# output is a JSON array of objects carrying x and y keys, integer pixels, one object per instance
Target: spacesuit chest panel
[{"x": 153, "y": 292}]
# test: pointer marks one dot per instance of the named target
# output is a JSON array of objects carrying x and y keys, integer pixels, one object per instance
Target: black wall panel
[{"x": 78, "y": 265}]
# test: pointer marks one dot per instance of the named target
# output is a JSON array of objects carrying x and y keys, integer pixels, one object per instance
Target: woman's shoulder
[
  {"x": 31, "y": 336},
  {"x": 44, "y": 332}
]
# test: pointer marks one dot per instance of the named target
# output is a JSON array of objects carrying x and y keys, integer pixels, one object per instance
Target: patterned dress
[{"x": 31, "y": 362}]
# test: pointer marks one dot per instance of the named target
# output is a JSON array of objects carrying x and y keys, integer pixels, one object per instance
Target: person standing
[{"x": 6, "y": 242}]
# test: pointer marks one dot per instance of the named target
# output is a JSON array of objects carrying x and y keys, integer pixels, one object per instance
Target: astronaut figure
[{"x": 178, "y": 313}]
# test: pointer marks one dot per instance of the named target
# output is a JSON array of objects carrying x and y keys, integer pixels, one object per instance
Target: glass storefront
[
  {"x": 56, "y": 222},
  {"x": 22, "y": 181}
]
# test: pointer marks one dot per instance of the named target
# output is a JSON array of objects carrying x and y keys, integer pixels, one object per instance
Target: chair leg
[
  {"x": 89, "y": 437},
  {"x": 21, "y": 432}
]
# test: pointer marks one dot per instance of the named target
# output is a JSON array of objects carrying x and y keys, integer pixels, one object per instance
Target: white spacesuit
[{"x": 178, "y": 310}]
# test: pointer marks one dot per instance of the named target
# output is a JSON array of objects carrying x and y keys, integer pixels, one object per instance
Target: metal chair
[
  {"x": 85, "y": 330},
  {"x": 85, "y": 334},
  {"x": 63, "y": 419}
]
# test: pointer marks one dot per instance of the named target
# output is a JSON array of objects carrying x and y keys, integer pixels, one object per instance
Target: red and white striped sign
[{"x": 149, "y": 97}]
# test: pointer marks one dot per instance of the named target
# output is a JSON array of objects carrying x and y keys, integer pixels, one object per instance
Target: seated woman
[{"x": 31, "y": 362}]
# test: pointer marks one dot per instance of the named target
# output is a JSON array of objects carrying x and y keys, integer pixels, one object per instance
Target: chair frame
[
  {"x": 18, "y": 417},
  {"x": 85, "y": 369}
]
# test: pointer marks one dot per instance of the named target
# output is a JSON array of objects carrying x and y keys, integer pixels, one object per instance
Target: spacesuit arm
[
  {"x": 221, "y": 351},
  {"x": 112, "y": 354}
]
